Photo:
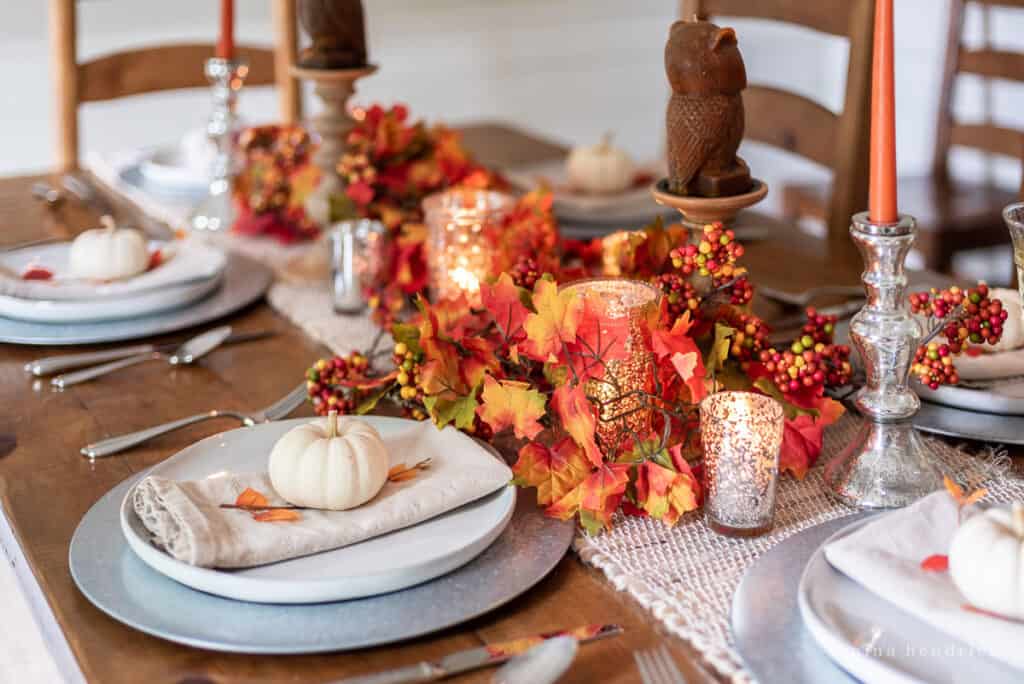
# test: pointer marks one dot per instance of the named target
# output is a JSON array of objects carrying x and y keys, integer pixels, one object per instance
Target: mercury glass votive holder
[
  {"x": 460, "y": 248},
  {"x": 742, "y": 434},
  {"x": 355, "y": 255},
  {"x": 626, "y": 310}
]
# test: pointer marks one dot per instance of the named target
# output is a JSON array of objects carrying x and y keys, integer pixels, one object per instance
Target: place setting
[{"x": 335, "y": 400}]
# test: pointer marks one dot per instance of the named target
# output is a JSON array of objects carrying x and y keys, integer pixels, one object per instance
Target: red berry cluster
[
  {"x": 812, "y": 361},
  {"x": 525, "y": 272},
  {"x": 750, "y": 337},
  {"x": 933, "y": 365},
  {"x": 967, "y": 316},
  {"x": 740, "y": 291},
  {"x": 714, "y": 255},
  {"x": 678, "y": 292},
  {"x": 325, "y": 383}
]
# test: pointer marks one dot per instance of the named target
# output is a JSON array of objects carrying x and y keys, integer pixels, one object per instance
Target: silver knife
[
  {"x": 55, "y": 364},
  {"x": 475, "y": 658}
]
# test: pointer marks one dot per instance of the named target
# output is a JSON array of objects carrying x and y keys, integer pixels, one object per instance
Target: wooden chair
[
  {"x": 152, "y": 69},
  {"x": 803, "y": 127},
  {"x": 953, "y": 215}
]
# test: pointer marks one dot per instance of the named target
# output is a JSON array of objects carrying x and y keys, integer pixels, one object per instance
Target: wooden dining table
[{"x": 46, "y": 486}]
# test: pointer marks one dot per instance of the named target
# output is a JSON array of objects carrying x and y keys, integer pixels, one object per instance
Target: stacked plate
[{"x": 416, "y": 580}]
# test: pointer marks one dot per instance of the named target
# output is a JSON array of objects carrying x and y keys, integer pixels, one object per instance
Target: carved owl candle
[
  {"x": 338, "y": 31},
  {"x": 705, "y": 113}
]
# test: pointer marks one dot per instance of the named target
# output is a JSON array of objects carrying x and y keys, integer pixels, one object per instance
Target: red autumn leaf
[
  {"x": 156, "y": 257},
  {"x": 554, "y": 471},
  {"x": 600, "y": 339},
  {"x": 596, "y": 498},
  {"x": 578, "y": 417},
  {"x": 277, "y": 515},
  {"x": 507, "y": 403},
  {"x": 504, "y": 299},
  {"x": 678, "y": 348},
  {"x": 935, "y": 563},
  {"x": 555, "y": 322},
  {"x": 36, "y": 272},
  {"x": 664, "y": 493},
  {"x": 250, "y": 498},
  {"x": 477, "y": 358},
  {"x": 803, "y": 436}
]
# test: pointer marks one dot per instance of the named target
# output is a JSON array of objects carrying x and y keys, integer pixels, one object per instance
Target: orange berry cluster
[{"x": 325, "y": 383}]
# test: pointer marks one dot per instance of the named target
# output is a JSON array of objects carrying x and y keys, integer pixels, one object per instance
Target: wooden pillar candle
[
  {"x": 226, "y": 42},
  {"x": 883, "y": 120}
]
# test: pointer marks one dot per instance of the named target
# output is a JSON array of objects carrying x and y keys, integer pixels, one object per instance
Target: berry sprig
[
  {"x": 410, "y": 395},
  {"x": 330, "y": 383},
  {"x": 960, "y": 316},
  {"x": 750, "y": 337},
  {"x": 813, "y": 361},
  {"x": 714, "y": 255},
  {"x": 526, "y": 272},
  {"x": 679, "y": 293}
]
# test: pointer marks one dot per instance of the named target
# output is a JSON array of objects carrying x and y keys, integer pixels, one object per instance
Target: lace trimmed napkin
[
  {"x": 186, "y": 520},
  {"x": 885, "y": 558}
]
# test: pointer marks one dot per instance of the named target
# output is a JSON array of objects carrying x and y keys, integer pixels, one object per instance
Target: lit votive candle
[
  {"x": 460, "y": 244},
  {"x": 741, "y": 433},
  {"x": 626, "y": 309}
]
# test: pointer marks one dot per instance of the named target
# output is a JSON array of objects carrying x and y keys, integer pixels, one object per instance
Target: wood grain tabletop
[{"x": 46, "y": 486}]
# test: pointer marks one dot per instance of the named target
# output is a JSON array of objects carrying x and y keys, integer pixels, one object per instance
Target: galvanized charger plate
[
  {"x": 244, "y": 282},
  {"x": 110, "y": 575}
]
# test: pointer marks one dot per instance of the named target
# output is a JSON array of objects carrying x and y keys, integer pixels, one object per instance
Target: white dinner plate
[
  {"x": 877, "y": 642},
  {"x": 1006, "y": 401},
  {"x": 168, "y": 169},
  {"x": 185, "y": 262},
  {"x": 387, "y": 563}
]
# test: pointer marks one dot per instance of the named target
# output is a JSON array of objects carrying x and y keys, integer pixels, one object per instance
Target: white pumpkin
[
  {"x": 329, "y": 463},
  {"x": 600, "y": 169},
  {"x": 108, "y": 253},
  {"x": 986, "y": 561},
  {"x": 1013, "y": 327}
]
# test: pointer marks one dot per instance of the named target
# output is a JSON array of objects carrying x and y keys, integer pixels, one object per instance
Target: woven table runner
[{"x": 687, "y": 575}]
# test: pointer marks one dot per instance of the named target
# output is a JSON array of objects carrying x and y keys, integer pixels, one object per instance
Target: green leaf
[
  {"x": 789, "y": 408},
  {"x": 460, "y": 411},
  {"x": 370, "y": 402},
  {"x": 340, "y": 207},
  {"x": 556, "y": 374},
  {"x": 407, "y": 333},
  {"x": 590, "y": 522},
  {"x": 719, "y": 351}
]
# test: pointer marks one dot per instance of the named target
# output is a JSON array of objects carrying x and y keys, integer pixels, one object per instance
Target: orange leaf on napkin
[
  {"x": 250, "y": 498},
  {"x": 277, "y": 515}
]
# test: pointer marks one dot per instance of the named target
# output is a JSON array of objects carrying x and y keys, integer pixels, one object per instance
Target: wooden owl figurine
[
  {"x": 337, "y": 29},
  {"x": 705, "y": 114}
]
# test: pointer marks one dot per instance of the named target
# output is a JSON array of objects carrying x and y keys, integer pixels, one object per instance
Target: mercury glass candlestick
[
  {"x": 887, "y": 464},
  {"x": 460, "y": 248},
  {"x": 626, "y": 309},
  {"x": 742, "y": 434},
  {"x": 1013, "y": 215},
  {"x": 216, "y": 211}
]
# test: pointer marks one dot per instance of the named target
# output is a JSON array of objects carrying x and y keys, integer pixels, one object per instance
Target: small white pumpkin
[
  {"x": 600, "y": 169},
  {"x": 329, "y": 463},
  {"x": 1013, "y": 327},
  {"x": 108, "y": 253},
  {"x": 986, "y": 561}
]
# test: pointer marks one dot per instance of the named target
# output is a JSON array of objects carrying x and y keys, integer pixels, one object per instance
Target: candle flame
[{"x": 464, "y": 279}]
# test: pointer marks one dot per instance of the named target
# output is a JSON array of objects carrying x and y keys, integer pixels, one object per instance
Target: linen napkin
[
  {"x": 885, "y": 558},
  {"x": 186, "y": 520}
]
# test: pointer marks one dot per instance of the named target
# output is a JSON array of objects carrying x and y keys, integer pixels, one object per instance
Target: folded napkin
[
  {"x": 185, "y": 518},
  {"x": 991, "y": 366},
  {"x": 885, "y": 557}
]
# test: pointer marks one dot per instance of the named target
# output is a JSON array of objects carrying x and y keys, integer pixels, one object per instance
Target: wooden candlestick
[
  {"x": 883, "y": 120},
  {"x": 334, "y": 87},
  {"x": 226, "y": 43}
]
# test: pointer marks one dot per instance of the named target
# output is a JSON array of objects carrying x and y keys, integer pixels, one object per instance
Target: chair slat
[
  {"x": 989, "y": 138},
  {"x": 993, "y": 63},
  {"x": 831, "y": 16},
  {"x": 790, "y": 122},
  {"x": 134, "y": 72}
]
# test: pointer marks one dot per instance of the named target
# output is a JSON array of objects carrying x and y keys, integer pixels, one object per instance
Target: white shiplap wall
[{"x": 570, "y": 69}]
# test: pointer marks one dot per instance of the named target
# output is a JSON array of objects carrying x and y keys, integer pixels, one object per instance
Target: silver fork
[
  {"x": 279, "y": 409},
  {"x": 807, "y": 296},
  {"x": 657, "y": 667}
]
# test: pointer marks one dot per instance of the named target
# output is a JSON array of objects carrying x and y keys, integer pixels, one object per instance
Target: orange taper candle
[
  {"x": 226, "y": 44},
  {"x": 883, "y": 120}
]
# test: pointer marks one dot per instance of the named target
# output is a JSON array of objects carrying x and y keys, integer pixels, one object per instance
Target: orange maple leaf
[
  {"x": 277, "y": 515},
  {"x": 504, "y": 299},
  {"x": 555, "y": 322},
  {"x": 578, "y": 418},
  {"x": 596, "y": 498},
  {"x": 677, "y": 347},
  {"x": 554, "y": 471},
  {"x": 957, "y": 492},
  {"x": 250, "y": 498},
  {"x": 664, "y": 493},
  {"x": 803, "y": 436},
  {"x": 505, "y": 403},
  {"x": 597, "y": 335}
]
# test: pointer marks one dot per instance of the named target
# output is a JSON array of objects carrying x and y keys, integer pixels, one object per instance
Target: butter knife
[
  {"x": 476, "y": 658},
  {"x": 53, "y": 364}
]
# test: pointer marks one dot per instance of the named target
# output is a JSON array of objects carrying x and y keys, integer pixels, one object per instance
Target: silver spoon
[
  {"x": 189, "y": 352},
  {"x": 542, "y": 664}
]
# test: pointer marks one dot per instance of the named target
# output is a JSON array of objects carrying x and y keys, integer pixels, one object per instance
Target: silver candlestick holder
[
  {"x": 887, "y": 465},
  {"x": 216, "y": 212}
]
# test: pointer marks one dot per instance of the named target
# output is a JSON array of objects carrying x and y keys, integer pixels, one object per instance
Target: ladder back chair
[
  {"x": 153, "y": 69},
  {"x": 803, "y": 127}
]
